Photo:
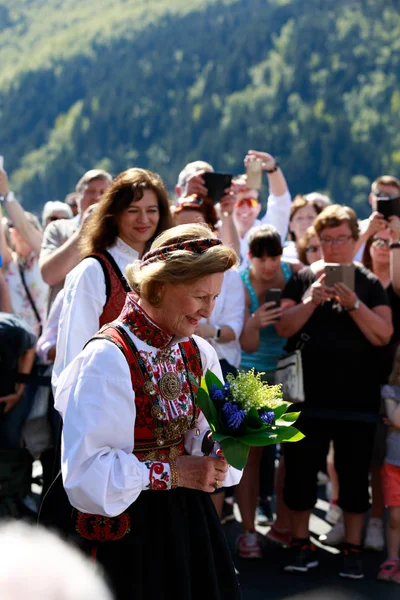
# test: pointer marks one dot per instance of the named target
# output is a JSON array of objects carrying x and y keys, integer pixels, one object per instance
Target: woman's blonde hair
[{"x": 181, "y": 266}]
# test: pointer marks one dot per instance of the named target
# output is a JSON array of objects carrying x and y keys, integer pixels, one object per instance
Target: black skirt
[{"x": 175, "y": 548}]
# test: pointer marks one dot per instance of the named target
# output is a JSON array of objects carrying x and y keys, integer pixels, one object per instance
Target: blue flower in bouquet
[
  {"x": 268, "y": 417},
  {"x": 244, "y": 412},
  {"x": 216, "y": 393},
  {"x": 233, "y": 415}
]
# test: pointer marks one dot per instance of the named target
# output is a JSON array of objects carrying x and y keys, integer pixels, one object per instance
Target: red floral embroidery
[
  {"x": 158, "y": 476},
  {"x": 102, "y": 529},
  {"x": 142, "y": 326}
]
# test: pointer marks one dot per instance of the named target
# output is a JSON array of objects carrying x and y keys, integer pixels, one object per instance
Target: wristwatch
[
  {"x": 9, "y": 197},
  {"x": 217, "y": 333},
  {"x": 355, "y": 306}
]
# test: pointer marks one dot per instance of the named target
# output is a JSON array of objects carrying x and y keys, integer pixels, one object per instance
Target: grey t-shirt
[
  {"x": 55, "y": 235},
  {"x": 393, "y": 438}
]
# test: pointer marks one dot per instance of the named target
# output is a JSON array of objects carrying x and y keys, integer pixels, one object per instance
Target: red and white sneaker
[
  {"x": 248, "y": 546},
  {"x": 283, "y": 538}
]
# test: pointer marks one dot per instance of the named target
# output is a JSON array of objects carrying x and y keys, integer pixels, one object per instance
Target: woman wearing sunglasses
[{"x": 309, "y": 247}]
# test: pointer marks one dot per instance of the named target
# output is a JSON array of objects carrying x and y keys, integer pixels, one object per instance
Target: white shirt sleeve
[
  {"x": 100, "y": 473},
  {"x": 234, "y": 302},
  {"x": 278, "y": 213},
  {"x": 48, "y": 338},
  {"x": 84, "y": 300}
]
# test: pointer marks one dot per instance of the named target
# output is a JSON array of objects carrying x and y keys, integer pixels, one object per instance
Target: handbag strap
[{"x": 31, "y": 301}]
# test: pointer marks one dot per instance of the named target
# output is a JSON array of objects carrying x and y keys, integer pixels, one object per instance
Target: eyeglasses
[
  {"x": 250, "y": 202},
  {"x": 381, "y": 243},
  {"x": 312, "y": 248},
  {"x": 340, "y": 241},
  {"x": 56, "y": 218},
  {"x": 385, "y": 196}
]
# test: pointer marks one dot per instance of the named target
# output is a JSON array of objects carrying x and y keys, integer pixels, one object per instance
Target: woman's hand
[
  {"x": 201, "y": 472},
  {"x": 267, "y": 160},
  {"x": 376, "y": 222},
  {"x": 319, "y": 293},
  {"x": 266, "y": 314},
  {"x": 344, "y": 295}
]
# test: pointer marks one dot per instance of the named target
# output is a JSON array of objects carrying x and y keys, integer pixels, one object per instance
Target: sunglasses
[
  {"x": 250, "y": 202},
  {"x": 56, "y": 218},
  {"x": 380, "y": 243},
  {"x": 312, "y": 248}
]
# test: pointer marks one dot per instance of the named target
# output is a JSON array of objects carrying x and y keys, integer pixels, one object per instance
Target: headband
[{"x": 199, "y": 246}]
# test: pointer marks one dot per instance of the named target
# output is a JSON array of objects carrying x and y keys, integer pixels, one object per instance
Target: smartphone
[
  {"x": 254, "y": 174},
  {"x": 1, "y": 162},
  {"x": 216, "y": 184},
  {"x": 273, "y": 295},
  {"x": 337, "y": 273},
  {"x": 388, "y": 207}
]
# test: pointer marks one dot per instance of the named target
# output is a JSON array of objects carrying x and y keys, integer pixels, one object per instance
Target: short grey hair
[
  {"x": 37, "y": 564},
  {"x": 55, "y": 206}
]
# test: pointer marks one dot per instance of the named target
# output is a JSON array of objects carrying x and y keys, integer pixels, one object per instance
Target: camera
[{"x": 216, "y": 184}]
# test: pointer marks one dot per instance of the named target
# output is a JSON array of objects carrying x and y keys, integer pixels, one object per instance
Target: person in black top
[
  {"x": 345, "y": 330},
  {"x": 17, "y": 355}
]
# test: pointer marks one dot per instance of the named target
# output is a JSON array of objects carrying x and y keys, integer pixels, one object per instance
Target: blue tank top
[{"x": 271, "y": 344}]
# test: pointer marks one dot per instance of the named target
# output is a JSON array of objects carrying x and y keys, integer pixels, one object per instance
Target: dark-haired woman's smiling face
[{"x": 137, "y": 224}]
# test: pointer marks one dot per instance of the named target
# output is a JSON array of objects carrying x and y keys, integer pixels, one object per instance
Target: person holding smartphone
[
  {"x": 346, "y": 330},
  {"x": 261, "y": 349}
]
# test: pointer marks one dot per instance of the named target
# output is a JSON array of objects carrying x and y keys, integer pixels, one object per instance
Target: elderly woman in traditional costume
[{"x": 133, "y": 438}]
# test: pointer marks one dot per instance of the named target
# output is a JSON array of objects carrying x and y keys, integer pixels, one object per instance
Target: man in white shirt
[
  {"x": 60, "y": 248},
  {"x": 248, "y": 207}
]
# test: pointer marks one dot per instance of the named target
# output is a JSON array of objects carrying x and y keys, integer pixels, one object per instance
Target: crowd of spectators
[{"x": 62, "y": 278}]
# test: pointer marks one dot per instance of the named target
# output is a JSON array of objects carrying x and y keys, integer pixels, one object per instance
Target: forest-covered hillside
[{"x": 157, "y": 83}]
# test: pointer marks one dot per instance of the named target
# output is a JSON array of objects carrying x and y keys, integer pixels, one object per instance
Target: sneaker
[
  {"x": 389, "y": 571},
  {"x": 303, "y": 559},
  {"x": 227, "y": 513},
  {"x": 333, "y": 514},
  {"x": 374, "y": 538},
  {"x": 352, "y": 564},
  {"x": 283, "y": 538},
  {"x": 248, "y": 545},
  {"x": 335, "y": 536},
  {"x": 264, "y": 514}
]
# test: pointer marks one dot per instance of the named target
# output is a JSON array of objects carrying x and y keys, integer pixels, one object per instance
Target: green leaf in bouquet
[
  {"x": 213, "y": 379},
  {"x": 207, "y": 407},
  {"x": 263, "y": 438},
  {"x": 287, "y": 419},
  {"x": 235, "y": 452},
  {"x": 281, "y": 409},
  {"x": 254, "y": 422},
  {"x": 289, "y": 434},
  {"x": 219, "y": 437}
]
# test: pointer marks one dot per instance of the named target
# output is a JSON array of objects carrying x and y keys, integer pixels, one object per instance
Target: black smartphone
[
  {"x": 273, "y": 295},
  {"x": 337, "y": 273},
  {"x": 216, "y": 184},
  {"x": 388, "y": 207}
]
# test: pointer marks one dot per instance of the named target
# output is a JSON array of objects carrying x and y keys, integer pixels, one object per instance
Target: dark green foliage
[{"x": 316, "y": 83}]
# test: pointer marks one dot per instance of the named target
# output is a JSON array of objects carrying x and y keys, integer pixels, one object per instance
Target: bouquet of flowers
[{"x": 245, "y": 412}]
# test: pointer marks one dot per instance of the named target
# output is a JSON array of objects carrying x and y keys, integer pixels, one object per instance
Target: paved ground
[{"x": 264, "y": 578}]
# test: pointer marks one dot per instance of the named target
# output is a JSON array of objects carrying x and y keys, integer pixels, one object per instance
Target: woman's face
[
  {"x": 183, "y": 305},
  {"x": 265, "y": 268},
  {"x": 337, "y": 244},
  {"x": 302, "y": 219},
  {"x": 380, "y": 249},
  {"x": 137, "y": 224},
  {"x": 313, "y": 250}
]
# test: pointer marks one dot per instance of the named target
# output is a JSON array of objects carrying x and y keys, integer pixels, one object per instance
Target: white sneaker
[
  {"x": 333, "y": 514},
  {"x": 374, "y": 538},
  {"x": 335, "y": 536}
]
